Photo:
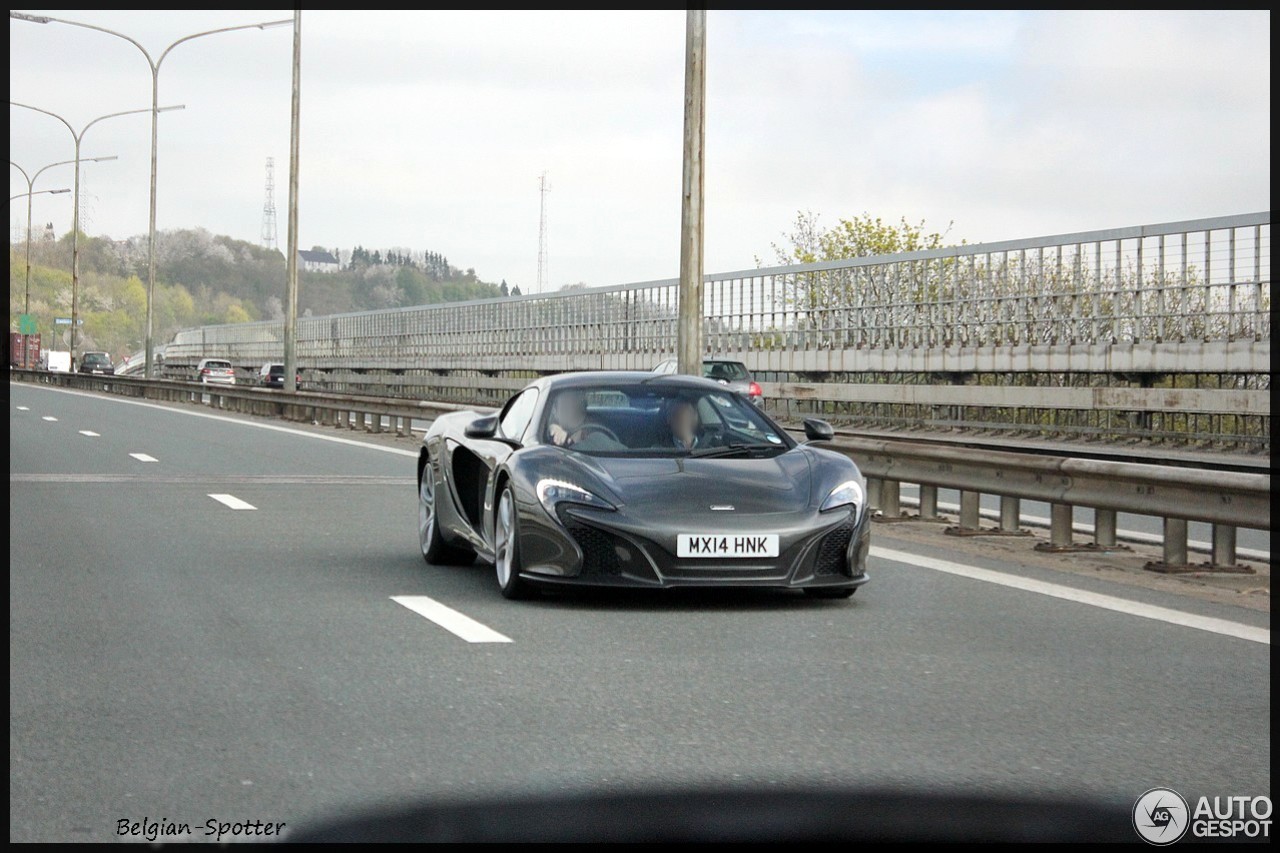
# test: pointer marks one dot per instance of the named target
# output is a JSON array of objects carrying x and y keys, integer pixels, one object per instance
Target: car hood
[{"x": 675, "y": 487}]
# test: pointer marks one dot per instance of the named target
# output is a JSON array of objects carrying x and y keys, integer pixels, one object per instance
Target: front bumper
[{"x": 594, "y": 548}]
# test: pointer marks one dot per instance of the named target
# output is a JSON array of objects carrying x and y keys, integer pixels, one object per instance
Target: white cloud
[{"x": 429, "y": 129}]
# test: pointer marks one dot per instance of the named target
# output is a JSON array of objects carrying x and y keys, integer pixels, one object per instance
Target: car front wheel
[{"x": 506, "y": 547}]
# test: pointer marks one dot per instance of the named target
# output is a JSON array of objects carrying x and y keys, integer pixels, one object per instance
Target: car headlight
[
  {"x": 848, "y": 493},
  {"x": 552, "y": 492}
]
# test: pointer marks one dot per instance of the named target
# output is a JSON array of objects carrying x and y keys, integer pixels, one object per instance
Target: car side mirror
[
  {"x": 485, "y": 427},
  {"x": 816, "y": 429}
]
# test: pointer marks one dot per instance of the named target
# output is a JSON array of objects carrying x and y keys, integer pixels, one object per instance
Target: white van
[{"x": 56, "y": 361}]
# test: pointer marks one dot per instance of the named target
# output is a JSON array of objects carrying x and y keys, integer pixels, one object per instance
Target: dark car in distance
[
  {"x": 643, "y": 480},
  {"x": 97, "y": 362},
  {"x": 271, "y": 375}
]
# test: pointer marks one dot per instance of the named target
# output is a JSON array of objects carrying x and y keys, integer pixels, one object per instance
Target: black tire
[
  {"x": 506, "y": 547},
  {"x": 434, "y": 549},
  {"x": 830, "y": 591}
]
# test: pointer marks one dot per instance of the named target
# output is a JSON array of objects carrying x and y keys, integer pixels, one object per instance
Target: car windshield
[
  {"x": 726, "y": 371},
  {"x": 655, "y": 420},
  {"x": 218, "y": 365}
]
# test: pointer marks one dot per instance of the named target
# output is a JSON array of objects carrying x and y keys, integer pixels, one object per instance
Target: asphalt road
[{"x": 174, "y": 658}]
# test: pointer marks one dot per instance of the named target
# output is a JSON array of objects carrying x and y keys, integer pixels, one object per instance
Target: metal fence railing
[
  {"x": 1183, "y": 298},
  {"x": 1198, "y": 281}
]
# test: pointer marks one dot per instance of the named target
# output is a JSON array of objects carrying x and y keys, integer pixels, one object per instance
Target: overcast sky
[{"x": 429, "y": 130}]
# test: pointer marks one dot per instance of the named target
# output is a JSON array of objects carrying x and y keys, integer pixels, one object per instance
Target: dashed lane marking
[
  {"x": 232, "y": 502},
  {"x": 451, "y": 620}
]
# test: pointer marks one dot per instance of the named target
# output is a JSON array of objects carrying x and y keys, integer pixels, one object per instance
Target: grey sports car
[{"x": 643, "y": 480}]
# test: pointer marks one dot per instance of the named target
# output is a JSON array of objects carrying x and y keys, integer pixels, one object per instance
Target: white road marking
[
  {"x": 273, "y": 427},
  {"x": 142, "y": 457},
  {"x": 90, "y": 433},
  {"x": 24, "y": 408},
  {"x": 48, "y": 418},
  {"x": 1093, "y": 599},
  {"x": 451, "y": 620},
  {"x": 232, "y": 501}
]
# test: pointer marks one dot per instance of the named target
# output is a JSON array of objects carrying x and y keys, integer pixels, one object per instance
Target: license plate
[{"x": 733, "y": 545}]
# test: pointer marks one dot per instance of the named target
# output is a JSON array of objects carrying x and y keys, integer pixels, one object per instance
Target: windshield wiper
[{"x": 731, "y": 450}]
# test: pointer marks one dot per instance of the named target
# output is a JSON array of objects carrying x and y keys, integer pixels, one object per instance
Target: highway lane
[{"x": 173, "y": 658}]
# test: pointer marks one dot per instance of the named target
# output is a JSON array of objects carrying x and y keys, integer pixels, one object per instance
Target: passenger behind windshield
[{"x": 683, "y": 423}]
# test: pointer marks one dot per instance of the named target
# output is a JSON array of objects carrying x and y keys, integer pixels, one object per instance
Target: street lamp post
[
  {"x": 689, "y": 307},
  {"x": 155, "y": 110},
  {"x": 291, "y": 264},
  {"x": 75, "y": 214},
  {"x": 31, "y": 190},
  {"x": 26, "y": 306},
  {"x": 37, "y": 192}
]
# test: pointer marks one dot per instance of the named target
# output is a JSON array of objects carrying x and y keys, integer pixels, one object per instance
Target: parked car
[
  {"x": 215, "y": 371},
  {"x": 96, "y": 362},
  {"x": 726, "y": 372},
  {"x": 271, "y": 375}
]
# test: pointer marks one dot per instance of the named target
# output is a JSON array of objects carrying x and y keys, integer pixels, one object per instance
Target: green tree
[
  {"x": 861, "y": 237},
  {"x": 827, "y": 302}
]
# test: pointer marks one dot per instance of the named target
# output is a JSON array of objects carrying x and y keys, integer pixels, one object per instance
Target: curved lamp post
[
  {"x": 75, "y": 215},
  {"x": 31, "y": 190},
  {"x": 26, "y": 307},
  {"x": 155, "y": 110},
  {"x": 37, "y": 192}
]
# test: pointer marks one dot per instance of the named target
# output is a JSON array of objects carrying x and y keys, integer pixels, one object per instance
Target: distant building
[{"x": 318, "y": 261}]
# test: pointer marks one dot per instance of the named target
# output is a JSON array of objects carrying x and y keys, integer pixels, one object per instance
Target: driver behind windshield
[{"x": 568, "y": 419}]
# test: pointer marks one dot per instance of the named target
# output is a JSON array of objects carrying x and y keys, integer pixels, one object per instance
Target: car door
[{"x": 472, "y": 460}]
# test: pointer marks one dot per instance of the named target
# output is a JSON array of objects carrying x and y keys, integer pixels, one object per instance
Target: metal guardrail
[
  {"x": 1225, "y": 499},
  {"x": 350, "y": 412}
]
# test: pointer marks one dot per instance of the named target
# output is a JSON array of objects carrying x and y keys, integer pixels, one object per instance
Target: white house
[{"x": 318, "y": 261}]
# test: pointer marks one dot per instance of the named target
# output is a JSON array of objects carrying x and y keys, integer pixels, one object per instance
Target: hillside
[{"x": 203, "y": 279}]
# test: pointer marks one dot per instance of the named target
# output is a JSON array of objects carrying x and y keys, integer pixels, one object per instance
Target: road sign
[
  {"x": 27, "y": 325},
  {"x": 65, "y": 321}
]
